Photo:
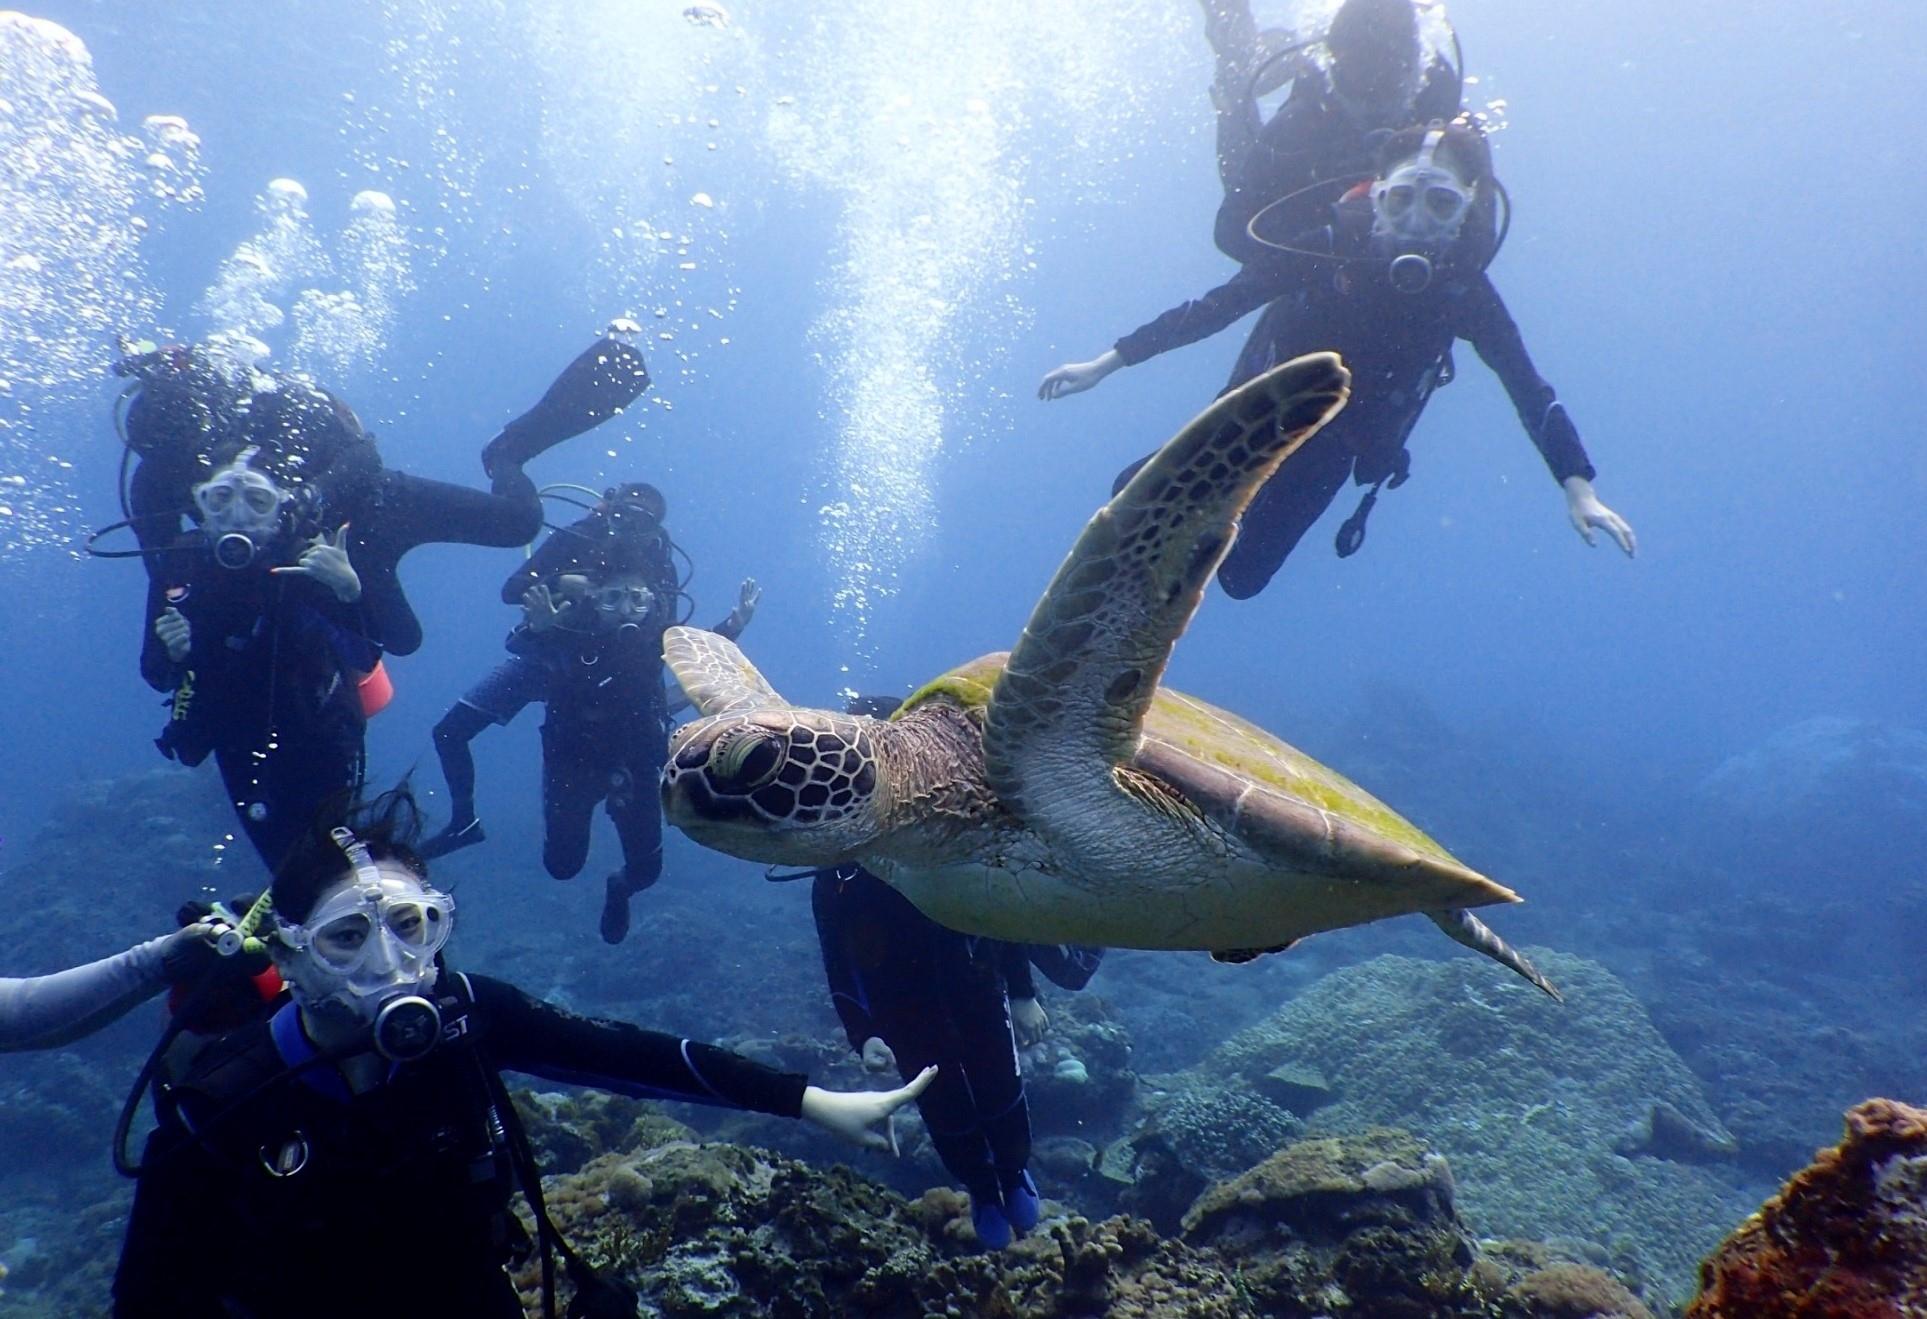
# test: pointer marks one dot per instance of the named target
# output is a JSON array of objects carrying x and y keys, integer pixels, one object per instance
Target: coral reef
[
  {"x": 1346, "y": 1226},
  {"x": 1545, "y": 1111},
  {"x": 1845, "y": 1239}
]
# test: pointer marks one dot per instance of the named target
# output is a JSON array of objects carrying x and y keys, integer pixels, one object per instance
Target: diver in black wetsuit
[
  {"x": 1392, "y": 279},
  {"x": 597, "y": 596},
  {"x": 1377, "y": 76},
  {"x": 259, "y": 639},
  {"x": 356, "y": 1150},
  {"x": 912, "y": 994},
  {"x": 195, "y": 409}
]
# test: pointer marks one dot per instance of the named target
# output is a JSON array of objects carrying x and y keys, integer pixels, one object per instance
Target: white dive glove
[
  {"x": 175, "y": 633},
  {"x": 863, "y": 1116},
  {"x": 326, "y": 560},
  {"x": 1076, "y": 377},
  {"x": 1586, "y": 512},
  {"x": 747, "y": 598},
  {"x": 1029, "y": 1020},
  {"x": 878, "y": 1056}
]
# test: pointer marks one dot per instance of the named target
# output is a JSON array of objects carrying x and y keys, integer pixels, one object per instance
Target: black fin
[{"x": 605, "y": 378}]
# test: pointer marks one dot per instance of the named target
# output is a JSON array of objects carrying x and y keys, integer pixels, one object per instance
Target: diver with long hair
[
  {"x": 353, "y": 1148},
  {"x": 1392, "y": 279}
]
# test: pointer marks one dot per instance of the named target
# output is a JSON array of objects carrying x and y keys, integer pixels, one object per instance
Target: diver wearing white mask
[
  {"x": 1392, "y": 281},
  {"x": 256, "y": 632},
  {"x": 368, "y": 1114}
]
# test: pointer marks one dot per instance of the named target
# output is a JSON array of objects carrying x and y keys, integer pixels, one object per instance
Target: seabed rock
[{"x": 1845, "y": 1239}]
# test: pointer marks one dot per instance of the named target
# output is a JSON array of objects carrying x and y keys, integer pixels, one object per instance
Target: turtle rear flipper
[
  {"x": 1072, "y": 697},
  {"x": 1463, "y": 927},
  {"x": 714, "y": 674}
]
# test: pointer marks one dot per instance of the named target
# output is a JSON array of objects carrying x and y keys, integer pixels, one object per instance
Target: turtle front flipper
[
  {"x": 1072, "y": 698},
  {"x": 714, "y": 674}
]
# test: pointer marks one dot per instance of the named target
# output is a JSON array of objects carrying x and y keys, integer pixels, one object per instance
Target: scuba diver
[
  {"x": 1377, "y": 75},
  {"x": 190, "y": 410},
  {"x": 1393, "y": 278},
  {"x": 355, "y": 1150},
  {"x": 596, "y": 598},
  {"x": 914, "y": 994},
  {"x": 258, "y": 638}
]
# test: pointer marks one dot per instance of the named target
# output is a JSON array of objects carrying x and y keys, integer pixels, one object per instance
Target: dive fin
[{"x": 605, "y": 378}]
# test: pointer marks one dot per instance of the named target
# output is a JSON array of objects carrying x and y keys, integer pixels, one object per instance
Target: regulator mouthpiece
[
  {"x": 1411, "y": 273},
  {"x": 406, "y": 1028},
  {"x": 234, "y": 551}
]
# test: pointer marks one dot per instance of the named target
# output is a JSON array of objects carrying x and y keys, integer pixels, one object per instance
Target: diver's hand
[
  {"x": 863, "y": 1116},
  {"x": 175, "y": 633},
  {"x": 326, "y": 560},
  {"x": 878, "y": 1056},
  {"x": 1029, "y": 1020},
  {"x": 189, "y": 952},
  {"x": 543, "y": 610},
  {"x": 1587, "y": 513},
  {"x": 1076, "y": 377},
  {"x": 748, "y": 596}
]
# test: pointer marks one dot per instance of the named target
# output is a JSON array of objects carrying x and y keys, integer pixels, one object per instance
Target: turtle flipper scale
[
  {"x": 1072, "y": 698},
  {"x": 714, "y": 674}
]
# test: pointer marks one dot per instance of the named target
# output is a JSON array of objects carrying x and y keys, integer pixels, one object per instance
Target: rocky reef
[
  {"x": 1575, "y": 1121},
  {"x": 1845, "y": 1239},
  {"x": 1357, "y": 1225}
]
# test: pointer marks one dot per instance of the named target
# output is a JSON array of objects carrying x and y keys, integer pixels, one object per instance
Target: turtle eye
[{"x": 744, "y": 760}]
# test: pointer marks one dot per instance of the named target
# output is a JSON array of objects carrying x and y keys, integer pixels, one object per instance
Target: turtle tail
[{"x": 1463, "y": 927}]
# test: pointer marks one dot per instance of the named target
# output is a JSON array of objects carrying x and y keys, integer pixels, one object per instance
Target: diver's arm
[
  {"x": 1067, "y": 965},
  {"x": 525, "y": 1034},
  {"x": 1013, "y": 964},
  {"x": 45, "y": 1012},
  {"x": 1493, "y": 334},
  {"x": 350, "y": 470},
  {"x": 1496, "y": 337},
  {"x": 1252, "y": 287}
]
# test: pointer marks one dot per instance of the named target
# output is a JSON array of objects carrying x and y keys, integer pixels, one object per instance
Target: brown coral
[{"x": 1845, "y": 1239}]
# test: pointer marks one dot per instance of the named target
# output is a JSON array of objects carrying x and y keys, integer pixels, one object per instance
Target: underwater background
[{"x": 856, "y": 235}]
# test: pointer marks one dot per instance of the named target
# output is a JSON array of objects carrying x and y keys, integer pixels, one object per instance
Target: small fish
[{"x": 707, "y": 15}]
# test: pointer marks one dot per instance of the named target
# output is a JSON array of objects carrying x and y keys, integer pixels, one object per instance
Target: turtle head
[{"x": 786, "y": 786}]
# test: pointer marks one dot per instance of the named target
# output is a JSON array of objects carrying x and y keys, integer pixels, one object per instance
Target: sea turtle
[{"x": 1057, "y": 793}]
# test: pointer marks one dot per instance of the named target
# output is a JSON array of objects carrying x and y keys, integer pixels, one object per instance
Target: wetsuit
[
  {"x": 267, "y": 1192},
  {"x": 269, "y": 686},
  {"x": 937, "y": 997},
  {"x": 45, "y": 1012},
  {"x": 1396, "y": 345}
]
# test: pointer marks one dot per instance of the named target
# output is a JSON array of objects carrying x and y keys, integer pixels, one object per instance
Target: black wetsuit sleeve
[
  {"x": 1013, "y": 961},
  {"x": 1276, "y": 163},
  {"x": 1485, "y": 323},
  {"x": 524, "y": 1034},
  {"x": 564, "y": 551},
  {"x": 1251, "y": 288},
  {"x": 1067, "y": 965},
  {"x": 846, "y": 990},
  {"x": 350, "y": 473}
]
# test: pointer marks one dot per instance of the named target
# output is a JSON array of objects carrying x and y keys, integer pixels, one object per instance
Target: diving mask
[
  {"x": 623, "y": 603},
  {"x": 368, "y": 952},
  {"x": 241, "y": 511},
  {"x": 1420, "y": 203}
]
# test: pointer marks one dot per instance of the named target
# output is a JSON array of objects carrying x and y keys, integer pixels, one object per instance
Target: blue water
[{"x": 915, "y": 215}]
